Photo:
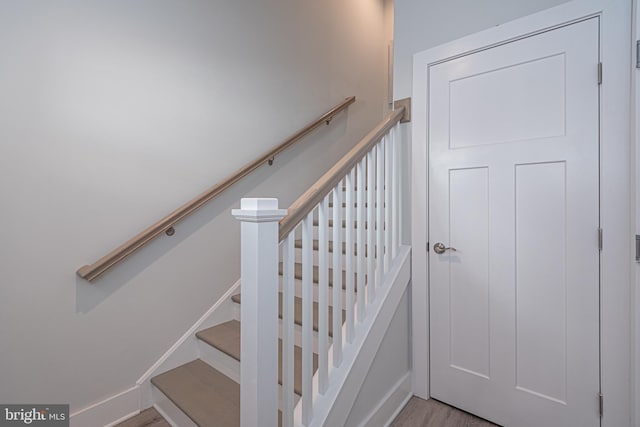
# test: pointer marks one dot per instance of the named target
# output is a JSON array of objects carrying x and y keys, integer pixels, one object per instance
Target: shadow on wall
[{"x": 216, "y": 213}]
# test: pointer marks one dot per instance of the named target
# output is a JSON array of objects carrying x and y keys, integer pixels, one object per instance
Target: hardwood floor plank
[{"x": 432, "y": 413}]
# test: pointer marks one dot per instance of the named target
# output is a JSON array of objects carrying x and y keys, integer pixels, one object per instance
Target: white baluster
[
  {"x": 380, "y": 225},
  {"x": 307, "y": 318},
  {"x": 259, "y": 311},
  {"x": 288, "y": 342},
  {"x": 400, "y": 188},
  {"x": 323, "y": 294},
  {"x": 360, "y": 258},
  {"x": 371, "y": 289},
  {"x": 387, "y": 204},
  {"x": 349, "y": 285},
  {"x": 337, "y": 276},
  {"x": 395, "y": 178}
]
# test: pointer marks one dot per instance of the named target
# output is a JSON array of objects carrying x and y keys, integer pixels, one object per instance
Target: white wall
[
  {"x": 113, "y": 113},
  {"x": 420, "y": 25}
]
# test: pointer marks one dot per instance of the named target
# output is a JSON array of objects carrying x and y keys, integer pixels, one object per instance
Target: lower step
[{"x": 205, "y": 395}]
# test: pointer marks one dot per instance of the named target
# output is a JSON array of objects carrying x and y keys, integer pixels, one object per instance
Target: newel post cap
[{"x": 259, "y": 210}]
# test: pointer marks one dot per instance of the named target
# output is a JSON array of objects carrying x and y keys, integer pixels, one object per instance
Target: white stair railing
[{"x": 366, "y": 179}]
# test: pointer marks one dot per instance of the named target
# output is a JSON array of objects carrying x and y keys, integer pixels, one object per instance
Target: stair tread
[
  {"x": 298, "y": 275},
  {"x": 226, "y": 338},
  {"x": 204, "y": 394},
  {"x": 297, "y": 312}
]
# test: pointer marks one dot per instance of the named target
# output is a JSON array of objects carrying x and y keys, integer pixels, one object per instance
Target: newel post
[{"x": 259, "y": 311}]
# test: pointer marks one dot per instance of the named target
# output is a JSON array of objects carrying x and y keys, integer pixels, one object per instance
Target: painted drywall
[
  {"x": 112, "y": 114},
  {"x": 391, "y": 364},
  {"x": 420, "y": 25}
]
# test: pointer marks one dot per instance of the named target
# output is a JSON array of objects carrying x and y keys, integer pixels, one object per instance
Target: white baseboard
[
  {"x": 110, "y": 411},
  {"x": 391, "y": 404}
]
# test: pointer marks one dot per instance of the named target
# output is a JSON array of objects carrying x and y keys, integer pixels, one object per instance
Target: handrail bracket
[{"x": 406, "y": 103}]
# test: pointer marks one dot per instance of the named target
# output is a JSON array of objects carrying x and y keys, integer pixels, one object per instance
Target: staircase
[
  {"x": 210, "y": 398},
  {"x": 335, "y": 261}
]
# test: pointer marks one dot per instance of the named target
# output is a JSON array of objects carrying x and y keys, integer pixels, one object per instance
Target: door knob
[{"x": 440, "y": 249}]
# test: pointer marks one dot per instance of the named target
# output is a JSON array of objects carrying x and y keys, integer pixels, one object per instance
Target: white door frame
[
  {"x": 615, "y": 196},
  {"x": 635, "y": 187}
]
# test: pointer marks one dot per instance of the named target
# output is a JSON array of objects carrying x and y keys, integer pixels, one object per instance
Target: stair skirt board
[
  {"x": 391, "y": 404},
  {"x": 110, "y": 411}
]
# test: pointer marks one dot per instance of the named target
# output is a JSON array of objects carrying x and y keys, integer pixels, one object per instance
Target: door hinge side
[
  {"x": 600, "y": 404},
  {"x": 637, "y": 53},
  {"x": 599, "y": 73},
  {"x": 600, "y": 239},
  {"x": 427, "y": 246}
]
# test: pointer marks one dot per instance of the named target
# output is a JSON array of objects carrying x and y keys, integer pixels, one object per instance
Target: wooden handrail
[
  {"x": 314, "y": 195},
  {"x": 165, "y": 225}
]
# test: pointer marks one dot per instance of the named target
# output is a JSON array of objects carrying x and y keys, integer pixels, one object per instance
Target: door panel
[
  {"x": 541, "y": 304},
  {"x": 469, "y": 300},
  {"x": 513, "y": 187},
  {"x": 493, "y": 106}
]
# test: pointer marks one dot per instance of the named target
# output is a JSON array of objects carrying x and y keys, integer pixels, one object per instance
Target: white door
[{"x": 513, "y": 187}]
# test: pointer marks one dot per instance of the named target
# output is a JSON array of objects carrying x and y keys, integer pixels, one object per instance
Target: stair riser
[
  {"x": 169, "y": 411},
  {"x": 221, "y": 361}
]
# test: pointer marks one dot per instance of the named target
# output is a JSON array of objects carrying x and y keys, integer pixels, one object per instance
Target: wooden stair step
[
  {"x": 226, "y": 338},
  {"x": 297, "y": 312},
  {"x": 205, "y": 395},
  {"x": 298, "y": 274}
]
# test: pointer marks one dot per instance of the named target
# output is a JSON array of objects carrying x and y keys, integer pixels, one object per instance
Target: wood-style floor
[
  {"x": 147, "y": 418},
  {"x": 431, "y": 413},
  {"x": 417, "y": 413}
]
